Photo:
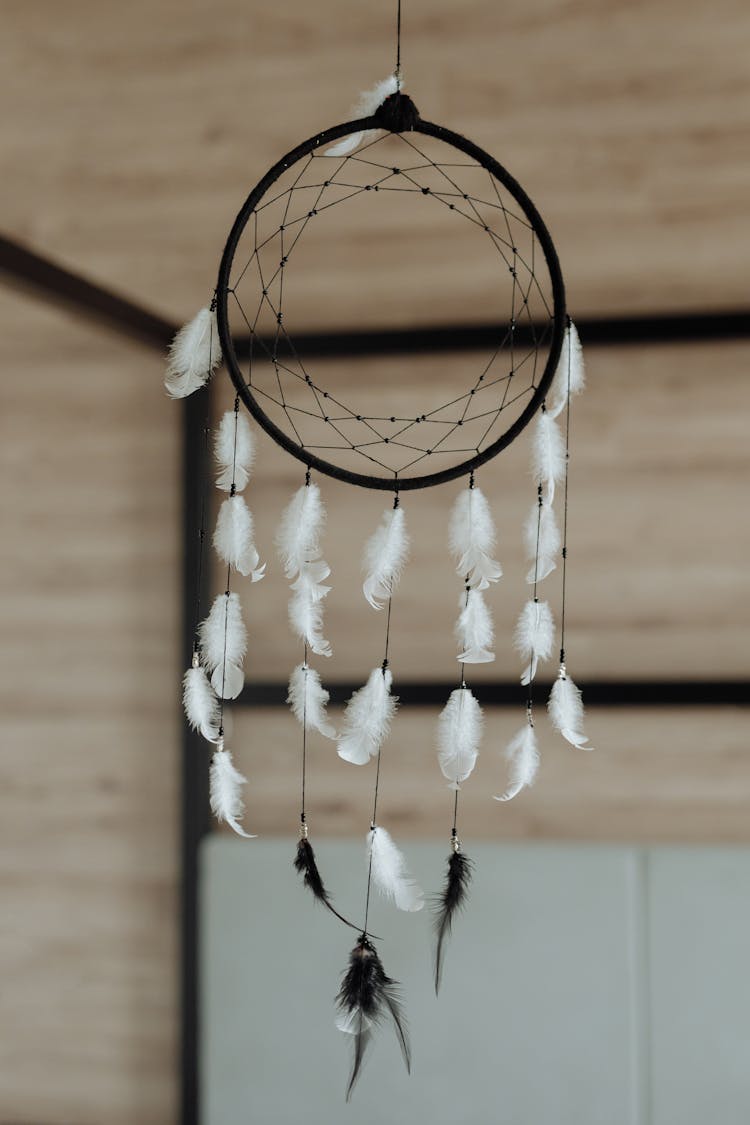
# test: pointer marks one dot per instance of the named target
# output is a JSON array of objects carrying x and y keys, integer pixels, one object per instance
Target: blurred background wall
[{"x": 133, "y": 133}]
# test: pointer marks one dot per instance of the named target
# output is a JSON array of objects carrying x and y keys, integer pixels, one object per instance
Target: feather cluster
[
  {"x": 534, "y": 636},
  {"x": 523, "y": 756},
  {"x": 566, "y": 713},
  {"x": 570, "y": 377},
  {"x": 298, "y": 543},
  {"x": 451, "y": 900},
  {"x": 385, "y": 553},
  {"x": 367, "y": 719},
  {"x": 548, "y": 455},
  {"x": 223, "y": 643},
  {"x": 368, "y": 102},
  {"x": 308, "y": 698},
  {"x": 389, "y": 872},
  {"x": 474, "y": 629},
  {"x": 459, "y": 735},
  {"x": 365, "y": 998},
  {"x": 200, "y": 703},
  {"x": 472, "y": 539},
  {"x": 233, "y": 538},
  {"x": 225, "y": 791},
  {"x": 234, "y": 451},
  {"x": 542, "y": 541},
  {"x": 193, "y": 355}
]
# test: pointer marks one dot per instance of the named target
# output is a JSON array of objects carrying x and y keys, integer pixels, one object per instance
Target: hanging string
[
  {"x": 565, "y": 505},
  {"x": 227, "y": 589},
  {"x": 304, "y": 743},
  {"x": 398, "y": 46},
  {"x": 373, "y": 819}
]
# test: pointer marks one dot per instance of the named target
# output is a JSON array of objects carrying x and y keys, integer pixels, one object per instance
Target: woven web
[{"x": 357, "y": 237}]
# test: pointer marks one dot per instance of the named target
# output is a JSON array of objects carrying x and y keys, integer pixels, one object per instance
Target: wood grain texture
[
  {"x": 663, "y": 776},
  {"x": 658, "y": 583},
  {"x": 89, "y": 601},
  {"x": 625, "y": 124}
]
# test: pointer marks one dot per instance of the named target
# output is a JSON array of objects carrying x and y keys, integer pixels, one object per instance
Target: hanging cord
[
  {"x": 398, "y": 46},
  {"x": 455, "y": 842},
  {"x": 535, "y": 597},
  {"x": 565, "y": 504},
  {"x": 302, "y": 816},
  {"x": 203, "y": 488},
  {"x": 227, "y": 590},
  {"x": 384, "y": 669}
]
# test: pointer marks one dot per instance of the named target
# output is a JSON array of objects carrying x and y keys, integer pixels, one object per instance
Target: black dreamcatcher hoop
[
  {"x": 277, "y": 383},
  {"x": 375, "y": 433}
]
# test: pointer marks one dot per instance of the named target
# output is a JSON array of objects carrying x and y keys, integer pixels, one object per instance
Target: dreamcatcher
[{"x": 379, "y": 437}]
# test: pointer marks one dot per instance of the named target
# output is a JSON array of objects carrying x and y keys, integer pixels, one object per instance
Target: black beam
[
  {"x": 597, "y": 693},
  {"x": 38, "y": 274},
  {"x": 65, "y": 287},
  {"x": 195, "y": 822}
]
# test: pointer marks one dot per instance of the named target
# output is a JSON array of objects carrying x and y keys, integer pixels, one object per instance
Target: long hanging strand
[
  {"x": 300, "y": 550},
  {"x": 472, "y": 541},
  {"x": 367, "y": 994},
  {"x": 223, "y": 637},
  {"x": 565, "y": 704},
  {"x": 522, "y": 751},
  {"x": 198, "y": 697}
]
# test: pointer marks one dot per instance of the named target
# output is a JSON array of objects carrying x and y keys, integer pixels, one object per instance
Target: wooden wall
[
  {"x": 89, "y": 769},
  {"x": 136, "y": 132}
]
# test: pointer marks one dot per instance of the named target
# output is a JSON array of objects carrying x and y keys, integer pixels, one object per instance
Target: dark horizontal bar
[
  {"x": 598, "y": 693},
  {"x": 70, "y": 289},
  {"x": 612, "y": 331},
  {"x": 63, "y": 287}
]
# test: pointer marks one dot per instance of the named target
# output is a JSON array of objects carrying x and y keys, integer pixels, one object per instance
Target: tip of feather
[
  {"x": 510, "y": 793},
  {"x": 476, "y": 656},
  {"x": 237, "y": 827},
  {"x": 576, "y": 739}
]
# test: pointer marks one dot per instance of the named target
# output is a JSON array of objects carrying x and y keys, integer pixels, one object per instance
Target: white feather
[
  {"x": 193, "y": 354},
  {"x": 234, "y": 451},
  {"x": 534, "y": 636},
  {"x": 308, "y": 698},
  {"x": 367, "y": 719},
  {"x": 472, "y": 539},
  {"x": 459, "y": 734},
  {"x": 224, "y": 791},
  {"x": 570, "y": 376},
  {"x": 300, "y": 529},
  {"x": 223, "y": 636},
  {"x": 385, "y": 553},
  {"x": 233, "y": 538},
  {"x": 548, "y": 455},
  {"x": 389, "y": 871},
  {"x": 228, "y": 680},
  {"x": 200, "y": 703},
  {"x": 523, "y": 756},
  {"x": 566, "y": 713},
  {"x": 542, "y": 526},
  {"x": 474, "y": 629},
  {"x": 368, "y": 102},
  {"x": 306, "y": 606}
]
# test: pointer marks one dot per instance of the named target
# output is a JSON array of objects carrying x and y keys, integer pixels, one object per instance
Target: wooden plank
[
  {"x": 665, "y": 776},
  {"x": 89, "y": 600},
  {"x": 658, "y": 584},
  {"x": 155, "y": 121}
]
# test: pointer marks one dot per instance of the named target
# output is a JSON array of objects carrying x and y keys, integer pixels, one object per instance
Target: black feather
[
  {"x": 451, "y": 900},
  {"x": 305, "y": 865},
  {"x": 365, "y": 997}
]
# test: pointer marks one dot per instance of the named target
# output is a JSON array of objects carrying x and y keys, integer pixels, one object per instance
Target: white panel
[
  {"x": 535, "y": 1023},
  {"x": 699, "y": 938}
]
